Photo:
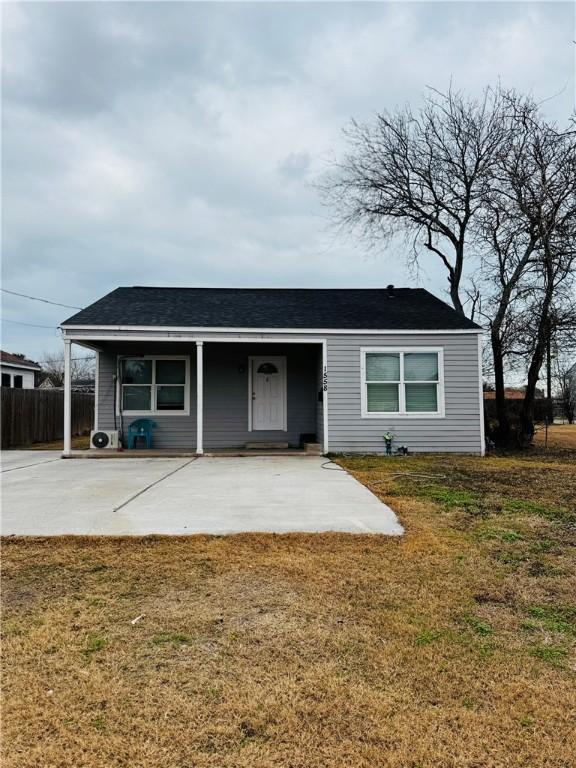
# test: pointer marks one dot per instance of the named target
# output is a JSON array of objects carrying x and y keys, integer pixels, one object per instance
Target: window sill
[{"x": 397, "y": 415}]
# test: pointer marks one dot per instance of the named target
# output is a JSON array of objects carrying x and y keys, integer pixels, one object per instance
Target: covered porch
[{"x": 213, "y": 396}]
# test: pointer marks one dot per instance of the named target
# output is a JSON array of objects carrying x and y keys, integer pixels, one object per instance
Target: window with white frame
[
  {"x": 155, "y": 385},
  {"x": 402, "y": 382}
]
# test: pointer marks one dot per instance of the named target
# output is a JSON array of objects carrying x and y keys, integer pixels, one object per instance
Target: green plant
[
  {"x": 551, "y": 654},
  {"x": 556, "y": 619},
  {"x": 426, "y": 636},
  {"x": 94, "y": 643},
  {"x": 501, "y": 534},
  {"x": 478, "y": 626},
  {"x": 525, "y": 506},
  {"x": 99, "y": 723},
  {"x": 174, "y": 638},
  {"x": 526, "y": 721},
  {"x": 450, "y": 497}
]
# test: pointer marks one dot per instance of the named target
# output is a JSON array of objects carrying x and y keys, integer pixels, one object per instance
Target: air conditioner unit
[{"x": 100, "y": 438}]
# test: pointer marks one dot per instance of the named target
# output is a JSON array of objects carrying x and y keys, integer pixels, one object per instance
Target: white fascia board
[
  {"x": 335, "y": 331},
  {"x": 122, "y": 336},
  {"x": 19, "y": 366}
]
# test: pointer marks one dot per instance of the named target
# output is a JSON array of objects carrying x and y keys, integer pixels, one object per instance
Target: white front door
[{"x": 268, "y": 395}]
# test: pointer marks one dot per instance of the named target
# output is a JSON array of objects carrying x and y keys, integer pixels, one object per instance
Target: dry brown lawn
[
  {"x": 559, "y": 436},
  {"x": 450, "y": 647},
  {"x": 79, "y": 442}
]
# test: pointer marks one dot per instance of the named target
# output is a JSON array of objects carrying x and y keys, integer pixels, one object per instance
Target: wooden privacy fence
[
  {"x": 37, "y": 415},
  {"x": 513, "y": 408}
]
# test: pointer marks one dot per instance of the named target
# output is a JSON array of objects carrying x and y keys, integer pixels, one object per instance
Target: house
[
  {"x": 85, "y": 386},
  {"x": 17, "y": 371},
  {"x": 513, "y": 393},
  {"x": 47, "y": 383},
  {"x": 219, "y": 368}
]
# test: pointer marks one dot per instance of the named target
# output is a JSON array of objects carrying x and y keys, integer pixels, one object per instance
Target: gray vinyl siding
[
  {"x": 226, "y": 391},
  {"x": 173, "y": 432},
  {"x": 459, "y": 431},
  {"x": 226, "y": 395}
]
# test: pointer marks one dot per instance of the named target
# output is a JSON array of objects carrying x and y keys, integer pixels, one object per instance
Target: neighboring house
[
  {"x": 17, "y": 371},
  {"x": 48, "y": 382},
  {"x": 87, "y": 386},
  {"x": 223, "y": 368},
  {"x": 513, "y": 393}
]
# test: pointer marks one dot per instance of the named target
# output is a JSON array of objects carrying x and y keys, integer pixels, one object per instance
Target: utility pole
[
  {"x": 549, "y": 370},
  {"x": 549, "y": 405}
]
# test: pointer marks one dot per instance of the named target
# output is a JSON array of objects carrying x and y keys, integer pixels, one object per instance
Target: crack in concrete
[
  {"x": 160, "y": 480},
  {"x": 26, "y": 466}
]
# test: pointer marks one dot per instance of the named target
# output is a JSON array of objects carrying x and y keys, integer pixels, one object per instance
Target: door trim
[{"x": 281, "y": 361}]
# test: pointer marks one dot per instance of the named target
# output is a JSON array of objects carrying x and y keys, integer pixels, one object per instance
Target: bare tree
[
  {"x": 552, "y": 209},
  {"x": 511, "y": 239},
  {"x": 422, "y": 173},
  {"x": 528, "y": 224},
  {"x": 485, "y": 183},
  {"x": 82, "y": 367}
]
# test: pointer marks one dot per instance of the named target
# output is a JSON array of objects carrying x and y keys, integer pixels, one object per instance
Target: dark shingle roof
[{"x": 346, "y": 309}]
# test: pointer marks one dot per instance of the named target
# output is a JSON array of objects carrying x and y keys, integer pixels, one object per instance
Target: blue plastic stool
[{"x": 141, "y": 429}]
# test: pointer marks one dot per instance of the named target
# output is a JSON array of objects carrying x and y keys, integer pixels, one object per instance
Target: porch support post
[
  {"x": 199, "y": 396},
  {"x": 67, "y": 399},
  {"x": 325, "y": 395},
  {"x": 96, "y": 388}
]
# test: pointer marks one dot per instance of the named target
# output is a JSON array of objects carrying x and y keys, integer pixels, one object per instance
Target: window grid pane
[
  {"x": 170, "y": 372},
  {"x": 136, "y": 371},
  {"x": 382, "y": 366},
  {"x": 421, "y": 366},
  {"x": 421, "y": 398},
  {"x": 169, "y": 398},
  {"x": 136, "y": 397},
  {"x": 383, "y": 398}
]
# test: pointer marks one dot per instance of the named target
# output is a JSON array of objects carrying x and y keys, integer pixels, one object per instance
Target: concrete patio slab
[
  {"x": 187, "y": 496},
  {"x": 10, "y": 460}
]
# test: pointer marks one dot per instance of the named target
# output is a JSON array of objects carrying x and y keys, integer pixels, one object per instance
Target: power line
[
  {"x": 31, "y": 325},
  {"x": 73, "y": 359},
  {"x": 35, "y": 298}
]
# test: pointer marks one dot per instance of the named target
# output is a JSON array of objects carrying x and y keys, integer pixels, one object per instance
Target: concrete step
[
  {"x": 313, "y": 449},
  {"x": 251, "y": 453},
  {"x": 266, "y": 446}
]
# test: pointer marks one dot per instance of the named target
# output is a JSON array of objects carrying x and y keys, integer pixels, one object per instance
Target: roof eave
[
  {"x": 27, "y": 367},
  {"x": 250, "y": 329}
]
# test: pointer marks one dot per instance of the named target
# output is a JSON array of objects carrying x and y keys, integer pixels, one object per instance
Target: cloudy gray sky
[{"x": 175, "y": 143}]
